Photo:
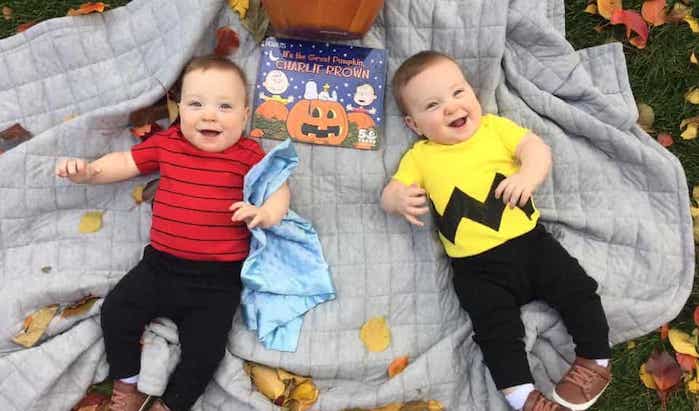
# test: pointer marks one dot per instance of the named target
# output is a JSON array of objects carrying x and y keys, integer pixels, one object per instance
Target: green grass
[{"x": 660, "y": 74}]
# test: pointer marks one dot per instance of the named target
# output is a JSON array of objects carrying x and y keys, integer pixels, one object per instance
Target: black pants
[
  {"x": 492, "y": 286},
  {"x": 199, "y": 296}
]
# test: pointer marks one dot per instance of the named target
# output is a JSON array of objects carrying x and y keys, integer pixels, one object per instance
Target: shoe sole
[{"x": 578, "y": 407}]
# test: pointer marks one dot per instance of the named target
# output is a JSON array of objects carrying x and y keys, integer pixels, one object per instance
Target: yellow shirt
[{"x": 460, "y": 180}]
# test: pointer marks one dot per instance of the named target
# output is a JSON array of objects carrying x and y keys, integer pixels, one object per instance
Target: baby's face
[
  {"x": 213, "y": 111},
  {"x": 441, "y": 105}
]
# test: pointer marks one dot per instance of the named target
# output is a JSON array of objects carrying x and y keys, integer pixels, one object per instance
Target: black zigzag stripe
[{"x": 489, "y": 213}]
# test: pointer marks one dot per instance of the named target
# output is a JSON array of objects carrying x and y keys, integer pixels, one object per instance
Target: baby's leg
[
  {"x": 562, "y": 283},
  {"x": 490, "y": 294},
  {"x": 205, "y": 309},
  {"x": 126, "y": 310}
]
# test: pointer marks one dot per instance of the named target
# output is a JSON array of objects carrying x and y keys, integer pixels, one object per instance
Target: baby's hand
[
  {"x": 516, "y": 190},
  {"x": 76, "y": 170},
  {"x": 253, "y": 216},
  {"x": 410, "y": 203}
]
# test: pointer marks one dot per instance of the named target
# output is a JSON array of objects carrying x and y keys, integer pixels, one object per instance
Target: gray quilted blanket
[{"x": 616, "y": 199}]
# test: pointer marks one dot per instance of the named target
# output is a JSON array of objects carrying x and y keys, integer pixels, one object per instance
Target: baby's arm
[
  {"x": 109, "y": 168},
  {"x": 408, "y": 201},
  {"x": 535, "y": 163},
  {"x": 267, "y": 215}
]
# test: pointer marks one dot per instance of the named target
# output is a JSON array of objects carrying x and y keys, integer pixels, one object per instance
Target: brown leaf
[
  {"x": 397, "y": 366},
  {"x": 678, "y": 12},
  {"x": 653, "y": 11},
  {"x": 227, "y": 41},
  {"x": 137, "y": 194},
  {"x": 646, "y": 117},
  {"x": 79, "y": 307},
  {"x": 145, "y": 131},
  {"x": 92, "y": 401},
  {"x": 7, "y": 13},
  {"x": 87, "y": 8},
  {"x": 25, "y": 26},
  {"x": 149, "y": 190},
  {"x": 149, "y": 115},
  {"x": 256, "y": 20},
  {"x": 15, "y": 131},
  {"x": 664, "y": 330},
  {"x": 666, "y": 373}
]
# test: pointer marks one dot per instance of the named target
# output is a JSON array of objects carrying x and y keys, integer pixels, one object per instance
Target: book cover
[{"x": 320, "y": 93}]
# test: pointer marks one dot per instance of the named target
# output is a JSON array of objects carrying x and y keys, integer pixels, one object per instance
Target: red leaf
[
  {"x": 653, "y": 11},
  {"x": 25, "y": 26},
  {"x": 687, "y": 362},
  {"x": 227, "y": 41},
  {"x": 633, "y": 22},
  {"x": 87, "y": 8},
  {"x": 664, "y": 369},
  {"x": 665, "y": 139},
  {"x": 664, "y": 330},
  {"x": 15, "y": 131},
  {"x": 145, "y": 131}
]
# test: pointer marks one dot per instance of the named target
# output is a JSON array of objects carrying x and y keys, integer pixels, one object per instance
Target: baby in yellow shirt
[{"x": 480, "y": 172}]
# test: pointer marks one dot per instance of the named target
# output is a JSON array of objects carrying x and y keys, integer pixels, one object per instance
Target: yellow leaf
[
  {"x": 607, "y": 7},
  {"x": 695, "y": 193},
  {"x": 375, "y": 334},
  {"x": 692, "y": 95},
  {"x": 690, "y": 133},
  {"x": 7, "y": 13},
  {"x": 302, "y": 397},
  {"x": 35, "y": 325},
  {"x": 693, "y": 23},
  {"x": 682, "y": 342},
  {"x": 240, "y": 7},
  {"x": 693, "y": 59},
  {"x": 647, "y": 378},
  {"x": 631, "y": 345},
  {"x": 90, "y": 222},
  {"x": 696, "y": 234},
  {"x": 137, "y": 194},
  {"x": 694, "y": 211},
  {"x": 693, "y": 386},
  {"x": 265, "y": 380},
  {"x": 591, "y": 8},
  {"x": 646, "y": 117}
]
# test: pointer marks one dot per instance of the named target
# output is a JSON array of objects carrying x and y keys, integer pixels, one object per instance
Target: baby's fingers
[
  {"x": 412, "y": 220},
  {"x": 418, "y": 210},
  {"x": 237, "y": 205},
  {"x": 255, "y": 221}
]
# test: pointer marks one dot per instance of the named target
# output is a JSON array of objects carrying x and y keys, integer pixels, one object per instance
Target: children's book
[{"x": 320, "y": 93}]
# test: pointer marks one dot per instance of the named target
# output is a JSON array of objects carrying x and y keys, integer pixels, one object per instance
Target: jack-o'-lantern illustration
[{"x": 318, "y": 121}]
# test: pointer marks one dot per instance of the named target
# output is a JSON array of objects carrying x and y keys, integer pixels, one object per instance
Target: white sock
[
  {"x": 602, "y": 363},
  {"x": 131, "y": 380},
  {"x": 519, "y": 395}
]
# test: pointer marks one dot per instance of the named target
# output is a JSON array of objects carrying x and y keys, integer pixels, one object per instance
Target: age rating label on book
[{"x": 320, "y": 93}]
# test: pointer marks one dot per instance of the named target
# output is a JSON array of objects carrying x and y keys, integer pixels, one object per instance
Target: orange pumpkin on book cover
[
  {"x": 272, "y": 110},
  {"x": 318, "y": 121},
  {"x": 362, "y": 120},
  {"x": 345, "y": 19}
]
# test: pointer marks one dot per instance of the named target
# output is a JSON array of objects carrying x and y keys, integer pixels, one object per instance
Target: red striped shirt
[{"x": 191, "y": 219}]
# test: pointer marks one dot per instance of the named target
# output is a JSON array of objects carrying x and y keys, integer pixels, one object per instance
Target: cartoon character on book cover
[{"x": 320, "y": 93}]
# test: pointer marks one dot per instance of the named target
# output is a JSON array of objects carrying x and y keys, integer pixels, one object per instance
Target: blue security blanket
[{"x": 285, "y": 274}]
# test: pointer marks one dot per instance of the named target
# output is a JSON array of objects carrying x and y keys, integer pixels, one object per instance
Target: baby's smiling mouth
[
  {"x": 459, "y": 122},
  {"x": 209, "y": 132}
]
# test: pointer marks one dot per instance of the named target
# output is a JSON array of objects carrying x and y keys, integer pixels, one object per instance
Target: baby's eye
[
  {"x": 458, "y": 92},
  {"x": 194, "y": 104},
  {"x": 226, "y": 106},
  {"x": 431, "y": 105}
]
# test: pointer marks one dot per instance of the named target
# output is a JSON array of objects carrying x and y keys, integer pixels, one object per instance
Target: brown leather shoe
[
  {"x": 125, "y": 397},
  {"x": 159, "y": 405},
  {"x": 537, "y": 402},
  {"x": 583, "y": 384}
]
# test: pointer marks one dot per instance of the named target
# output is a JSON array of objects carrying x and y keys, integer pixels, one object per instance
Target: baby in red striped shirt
[{"x": 190, "y": 271}]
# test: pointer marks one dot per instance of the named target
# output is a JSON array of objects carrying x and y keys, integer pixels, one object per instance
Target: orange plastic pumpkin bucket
[{"x": 343, "y": 19}]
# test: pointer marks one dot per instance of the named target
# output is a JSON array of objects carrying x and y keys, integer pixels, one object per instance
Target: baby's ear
[{"x": 410, "y": 122}]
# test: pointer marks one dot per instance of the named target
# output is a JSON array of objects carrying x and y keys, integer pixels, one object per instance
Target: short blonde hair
[
  {"x": 414, "y": 65},
  {"x": 210, "y": 62}
]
